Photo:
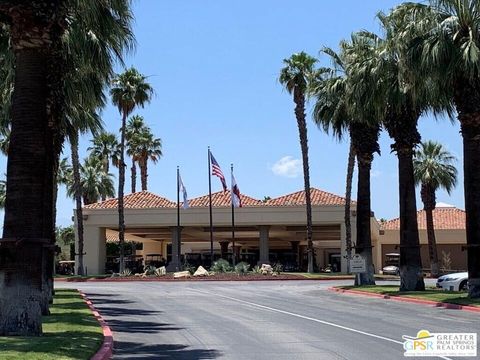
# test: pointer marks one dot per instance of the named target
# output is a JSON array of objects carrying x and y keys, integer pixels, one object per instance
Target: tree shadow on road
[
  {"x": 137, "y": 351},
  {"x": 140, "y": 327}
]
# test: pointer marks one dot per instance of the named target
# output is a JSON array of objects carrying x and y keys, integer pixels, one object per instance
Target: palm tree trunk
[
  {"x": 299, "y": 99},
  {"x": 428, "y": 199},
  {"x": 78, "y": 200},
  {"x": 106, "y": 169},
  {"x": 365, "y": 142},
  {"x": 121, "y": 185},
  {"x": 364, "y": 235},
  {"x": 348, "y": 201},
  {"x": 144, "y": 174},
  {"x": 471, "y": 159},
  {"x": 411, "y": 274},
  {"x": 133, "y": 170},
  {"x": 22, "y": 263}
]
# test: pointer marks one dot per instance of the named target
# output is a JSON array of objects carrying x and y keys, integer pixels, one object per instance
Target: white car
[{"x": 453, "y": 282}]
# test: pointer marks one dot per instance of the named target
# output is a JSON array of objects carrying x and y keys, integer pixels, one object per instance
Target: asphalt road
[{"x": 261, "y": 320}]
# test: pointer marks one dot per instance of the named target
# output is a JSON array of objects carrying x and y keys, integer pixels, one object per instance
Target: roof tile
[
  {"x": 318, "y": 197},
  {"x": 222, "y": 199},
  {"x": 444, "y": 218},
  {"x": 138, "y": 200}
]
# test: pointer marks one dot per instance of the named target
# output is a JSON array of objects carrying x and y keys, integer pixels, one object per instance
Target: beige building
[
  {"x": 265, "y": 232},
  {"x": 450, "y": 236},
  {"x": 268, "y": 231}
]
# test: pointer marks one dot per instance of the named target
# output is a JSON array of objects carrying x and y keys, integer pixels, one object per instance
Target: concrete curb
[
  {"x": 408, "y": 300},
  {"x": 106, "y": 350}
]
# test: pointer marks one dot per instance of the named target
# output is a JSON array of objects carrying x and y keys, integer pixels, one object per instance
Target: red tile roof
[
  {"x": 444, "y": 218},
  {"x": 318, "y": 197},
  {"x": 222, "y": 199},
  {"x": 138, "y": 200},
  {"x": 145, "y": 199}
]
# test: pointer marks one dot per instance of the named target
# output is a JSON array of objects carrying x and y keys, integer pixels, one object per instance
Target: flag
[
  {"x": 236, "y": 200},
  {"x": 217, "y": 171},
  {"x": 184, "y": 192}
]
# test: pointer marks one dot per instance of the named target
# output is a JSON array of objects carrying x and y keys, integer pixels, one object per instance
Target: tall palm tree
[
  {"x": 105, "y": 147},
  {"x": 135, "y": 126},
  {"x": 295, "y": 77},
  {"x": 95, "y": 183},
  {"x": 449, "y": 51},
  {"x": 97, "y": 31},
  {"x": 129, "y": 90},
  {"x": 387, "y": 82},
  {"x": 148, "y": 148},
  {"x": 337, "y": 109},
  {"x": 39, "y": 25},
  {"x": 433, "y": 169}
]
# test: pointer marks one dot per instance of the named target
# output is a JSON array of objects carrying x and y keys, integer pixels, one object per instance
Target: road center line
[{"x": 306, "y": 318}]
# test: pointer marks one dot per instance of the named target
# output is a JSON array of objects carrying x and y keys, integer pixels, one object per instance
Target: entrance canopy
[{"x": 263, "y": 230}]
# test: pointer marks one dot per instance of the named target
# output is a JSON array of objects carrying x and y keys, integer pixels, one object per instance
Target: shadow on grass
[{"x": 137, "y": 351}]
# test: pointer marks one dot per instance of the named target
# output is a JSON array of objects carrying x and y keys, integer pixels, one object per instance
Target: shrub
[
  {"x": 221, "y": 266},
  {"x": 277, "y": 268},
  {"x": 126, "y": 273},
  {"x": 257, "y": 269},
  {"x": 189, "y": 267},
  {"x": 242, "y": 268},
  {"x": 149, "y": 270}
]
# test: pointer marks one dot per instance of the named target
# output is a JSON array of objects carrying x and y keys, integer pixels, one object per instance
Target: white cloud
[{"x": 287, "y": 166}]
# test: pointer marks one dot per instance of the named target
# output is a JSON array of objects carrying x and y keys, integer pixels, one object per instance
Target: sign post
[{"x": 358, "y": 264}]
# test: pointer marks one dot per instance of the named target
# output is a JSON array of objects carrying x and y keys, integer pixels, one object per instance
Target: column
[
  {"x": 94, "y": 248},
  {"x": 175, "y": 264},
  {"x": 224, "y": 249},
  {"x": 263, "y": 245}
]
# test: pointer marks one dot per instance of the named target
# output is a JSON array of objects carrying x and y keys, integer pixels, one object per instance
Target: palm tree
[
  {"x": 105, "y": 147},
  {"x": 148, "y": 148},
  {"x": 433, "y": 169},
  {"x": 64, "y": 174},
  {"x": 337, "y": 110},
  {"x": 295, "y": 76},
  {"x": 129, "y": 90},
  {"x": 135, "y": 126},
  {"x": 97, "y": 33},
  {"x": 448, "y": 51},
  {"x": 386, "y": 82},
  {"x": 95, "y": 183},
  {"x": 3, "y": 193}
]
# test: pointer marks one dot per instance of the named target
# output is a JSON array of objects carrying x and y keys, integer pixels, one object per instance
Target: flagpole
[
  {"x": 178, "y": 221},
  {"x": 210, "y": 206},
  {"x": 233, "y": 218}
]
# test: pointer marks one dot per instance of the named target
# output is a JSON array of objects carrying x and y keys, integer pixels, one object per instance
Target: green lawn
[
  {"x": 70, "y": 332},
  {"x": 333, "y": 275},
  {"x": 433, "y": 294}
]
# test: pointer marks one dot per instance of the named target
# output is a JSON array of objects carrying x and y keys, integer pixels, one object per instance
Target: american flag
[{"x": 218, "y": 172}]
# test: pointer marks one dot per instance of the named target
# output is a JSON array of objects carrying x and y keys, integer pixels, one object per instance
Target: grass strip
[
  {"x": 433, "y": 294},
  {"x": 69, "y": 333}
]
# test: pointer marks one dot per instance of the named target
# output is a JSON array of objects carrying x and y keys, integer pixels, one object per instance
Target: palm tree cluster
[
  {"x": 56, "y": 61},
  {"x": 424, "y": 61}
]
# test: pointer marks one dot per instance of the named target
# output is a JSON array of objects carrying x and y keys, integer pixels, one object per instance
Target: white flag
[
  {"x": 184, "y": 192},
  {"x": 236, "y": 201}
]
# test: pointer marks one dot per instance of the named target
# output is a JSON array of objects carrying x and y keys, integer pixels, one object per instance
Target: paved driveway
[{"x": 261, "y": 320}]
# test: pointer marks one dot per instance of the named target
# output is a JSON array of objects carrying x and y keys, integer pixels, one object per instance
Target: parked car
[
  {"x": 392, "y": 262},
  {"x": 454, "y": 282}
]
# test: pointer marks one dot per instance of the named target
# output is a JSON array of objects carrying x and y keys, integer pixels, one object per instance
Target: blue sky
[{"x": 214, "y": 68}]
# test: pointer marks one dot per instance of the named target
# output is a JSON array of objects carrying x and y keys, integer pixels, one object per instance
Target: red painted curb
[
  {"x": 408, "y": 300},
  {"x": 106, "y": 350},
  {"x": 200, "y": 279}
]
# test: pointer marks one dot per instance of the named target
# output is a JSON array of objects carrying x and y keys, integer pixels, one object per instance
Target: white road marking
[{"x": 307, "y": 318}]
